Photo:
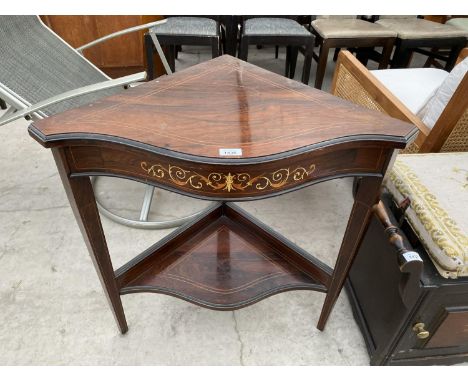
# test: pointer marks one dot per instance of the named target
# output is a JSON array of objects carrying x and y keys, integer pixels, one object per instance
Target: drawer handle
[{"x": 421, "y": 332}]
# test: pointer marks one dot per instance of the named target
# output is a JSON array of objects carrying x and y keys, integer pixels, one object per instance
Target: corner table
[{"x": 228, "y": 131}]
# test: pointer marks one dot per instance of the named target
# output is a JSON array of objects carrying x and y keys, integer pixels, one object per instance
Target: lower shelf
[{"x": 222, "y": 261}]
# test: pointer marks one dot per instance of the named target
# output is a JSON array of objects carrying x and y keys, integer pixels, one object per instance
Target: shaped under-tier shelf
[{"x": 225, "y": 260}]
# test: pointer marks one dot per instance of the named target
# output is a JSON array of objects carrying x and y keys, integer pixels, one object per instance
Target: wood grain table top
[{"x": 224, "y": 103}]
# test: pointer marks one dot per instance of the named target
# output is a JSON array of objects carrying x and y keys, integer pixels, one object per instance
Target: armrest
[
  {"x": 72, "y": 94},
  {"x": 353, "y": 82},
  {"x": 120, "y": 33},
  {"x": 130, "y": 30}
]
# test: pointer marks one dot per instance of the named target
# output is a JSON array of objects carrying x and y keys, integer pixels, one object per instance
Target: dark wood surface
[
  {"x": 233, "y": 179},
  {"x": 222, "y": 264},
  {"x": 169, "y": 133},
  {"x": 452, "y": 331},
  {"x": 223, "y": 103}
]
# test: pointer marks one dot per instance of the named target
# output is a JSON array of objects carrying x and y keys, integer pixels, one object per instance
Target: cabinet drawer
[{"x": 444, "y": 314}]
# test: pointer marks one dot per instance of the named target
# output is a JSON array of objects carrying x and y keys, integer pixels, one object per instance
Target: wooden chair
[
  {"x": 279, "y": 31},
  {"x": 352, "y": 81},
  {"x": 349, "y": 32},
  {"x": 414, "y": 34},
  {"x": 183, "y": 30}
]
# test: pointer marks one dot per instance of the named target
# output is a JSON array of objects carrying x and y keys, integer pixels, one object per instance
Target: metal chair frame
[{"x": 21, "y": 108}]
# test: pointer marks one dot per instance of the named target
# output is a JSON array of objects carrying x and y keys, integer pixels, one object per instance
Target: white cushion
[
  {"x": 436, "y": 105},
  {"x": 459, "y": 22},
  {"x": 413, "y": 87}
]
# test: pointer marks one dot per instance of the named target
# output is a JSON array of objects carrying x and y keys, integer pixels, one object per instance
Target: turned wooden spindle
[
  {"x": 410, "y": 262},
  {"x": 391, "y": 230}
]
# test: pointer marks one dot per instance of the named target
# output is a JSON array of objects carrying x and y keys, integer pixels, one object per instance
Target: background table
[{"x": 172, "y": 132}]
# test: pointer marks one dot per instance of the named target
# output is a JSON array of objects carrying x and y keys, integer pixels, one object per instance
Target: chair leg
[
  {"x": 452, "y": 58},
  {"x": 276, "y": 51},
  {"x": 244, "y": 49},
  {"x": 402, "y": 55},
  {"x": 287, "y": 67},
  {"x": 223, "y": 41},
  {"x": 171, "y": 57},
  {"x": 431, "y": 60},
  {"x": 362, "y": 54},
  {"x": 215, "y": 47},
  {"x": 309, "y": 51},
  {"x": 335, "y": 55},
  {"x": 293, "y": 61},
  {"x": 322, "y": 64},
  {"x": 386, "y": 53},
  {"x": 149, "y": 57}
]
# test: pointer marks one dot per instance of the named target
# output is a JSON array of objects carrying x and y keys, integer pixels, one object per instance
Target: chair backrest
[
  {"x": 352, "y": 81},
  {"x": 450, "y": 132},
  {"x": 36, "y": 64}
]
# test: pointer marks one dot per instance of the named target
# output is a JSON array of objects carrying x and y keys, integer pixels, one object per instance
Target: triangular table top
[{"x": 223, "y": 103}]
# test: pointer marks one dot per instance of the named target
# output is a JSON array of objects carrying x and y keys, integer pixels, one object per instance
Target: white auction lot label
[
  {"x": 412, "y": 256},
  {"x": 230, "y": 152}
]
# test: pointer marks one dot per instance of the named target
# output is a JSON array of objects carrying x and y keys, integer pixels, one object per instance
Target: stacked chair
[
  {"x": 349, "y": 32},
  {"x": 279, "y": 31},
  {"x": 414, "y": 34},
  {"x": 182, "y": 30}
]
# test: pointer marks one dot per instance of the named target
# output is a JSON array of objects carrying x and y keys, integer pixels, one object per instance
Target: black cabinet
[{"x": 429, "y": 328}]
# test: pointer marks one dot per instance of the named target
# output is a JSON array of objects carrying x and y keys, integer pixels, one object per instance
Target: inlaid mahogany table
[{"x": 227, "y": 131}]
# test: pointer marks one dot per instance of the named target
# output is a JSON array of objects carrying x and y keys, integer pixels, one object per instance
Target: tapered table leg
[
  {"x": 81, "y": 197},
  {"x": 367, "y": 195}
]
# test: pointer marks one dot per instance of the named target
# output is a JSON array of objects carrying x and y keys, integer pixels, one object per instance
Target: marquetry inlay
[{"x": 230, "y": 182}]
